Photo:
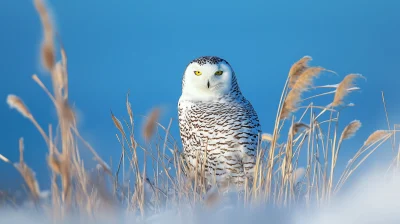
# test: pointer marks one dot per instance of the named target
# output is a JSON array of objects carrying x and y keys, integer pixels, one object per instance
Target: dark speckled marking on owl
[
  {"x": 208, "y": 60},
  {"x": 225, "y": 131}
]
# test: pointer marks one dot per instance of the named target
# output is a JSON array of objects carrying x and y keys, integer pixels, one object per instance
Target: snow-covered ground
[{"x": 373, "y": 199}]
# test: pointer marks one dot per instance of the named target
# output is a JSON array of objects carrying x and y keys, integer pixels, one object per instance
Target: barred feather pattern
[{"x": 225, "y": 131}]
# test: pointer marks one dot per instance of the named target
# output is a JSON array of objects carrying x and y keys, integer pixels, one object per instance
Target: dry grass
[
  {"x": 350, "y": 130},
  {"x": 343, "y": 88},
  {"x": 150, "y": 126},
  {"x": 278, "y": 180},
  {"x": 297, "y": 69},
  {"x": 376, "y": 136},
  {"x": 300, "y": 78}
]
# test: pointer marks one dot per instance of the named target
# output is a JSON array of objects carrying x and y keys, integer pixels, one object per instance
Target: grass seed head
[
  {"x": 48, "y": 55},
  {"x": 297, "y": 126},
  {"x": 129, "y": 109},
  {"x": 59, "y": 76},
  {"x": 16, "y": 103},
  {"x": 48, "y": 50},
  {"x": 298, "y": 68},
  {"x": 342, "y": 89},
  {"x": 267, "y": 137},
  {"x": 117, "y": 123},
  {"x": 27, "y": 174},
  {"x": 302, "y": 83},
  {"x": 376, "y": 136},
  {"x": 351, "y": 129},
  {"x": 149, "y": 127}
]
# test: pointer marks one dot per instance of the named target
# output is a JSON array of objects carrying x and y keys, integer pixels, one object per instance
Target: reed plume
[
  {"x": 343, "y": 88},
  {"x": 150, "y": 124},
  {"x": 376, "y": 136},
  {"x": 304, "y": 80},
  {"x": 350, "y": 130}
]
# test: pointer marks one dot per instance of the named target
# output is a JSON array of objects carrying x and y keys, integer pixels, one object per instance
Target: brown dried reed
[
  {"x": 343, "y": 88},
  {"x": 376, "y": 136},
  {"x": 350, "y": 129},
  {"x": 150, "y": 125},
  {"x": 303, "y": 81},
  {"x": 276, "y": 173},
  {"x": 48, "y": 50}
]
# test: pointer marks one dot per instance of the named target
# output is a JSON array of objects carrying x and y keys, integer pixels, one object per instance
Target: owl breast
[{"x": 220, "y": 136}]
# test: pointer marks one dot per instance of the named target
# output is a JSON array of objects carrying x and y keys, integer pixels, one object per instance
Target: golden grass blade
[
  {"x": 27, "y": 174},
  {"x": 46, "y": 90},
  {"x": 117, "y": 123},
  {"x": 129, "y": 109},
  {"x": 350, "y": 172},
  {"x": 54, "y": 164},
  {"x": 330, "y": 92},
  {"x": 59, "y": 76},
  {"x": 343, "y": 88},
  {"x": 96, "y": 156},
  {"x": 4, "y": 159},
  {"x": 393, "y": 140},
  {"x": 272, "y": 174},
  {"x": 16, "y": 103}
]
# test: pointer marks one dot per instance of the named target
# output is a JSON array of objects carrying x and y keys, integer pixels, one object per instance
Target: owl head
[{"x": 208, "y": 78}]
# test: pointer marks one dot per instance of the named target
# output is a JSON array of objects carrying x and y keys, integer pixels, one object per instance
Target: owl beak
[{"x": 208, "y": 84}]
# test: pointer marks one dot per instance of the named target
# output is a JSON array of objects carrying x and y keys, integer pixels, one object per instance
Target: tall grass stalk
[{"x": 301, "y": 129}]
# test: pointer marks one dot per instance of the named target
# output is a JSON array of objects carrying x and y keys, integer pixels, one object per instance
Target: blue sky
[{"x": 144, "y": 46}]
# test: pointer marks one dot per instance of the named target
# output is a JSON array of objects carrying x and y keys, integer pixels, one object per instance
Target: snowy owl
[{"x": 217, "y": 123}]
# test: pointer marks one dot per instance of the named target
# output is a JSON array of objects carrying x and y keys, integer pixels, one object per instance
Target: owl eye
[
  {"x": 218, "y": 72},
  {"x": 197, "y": 73}
]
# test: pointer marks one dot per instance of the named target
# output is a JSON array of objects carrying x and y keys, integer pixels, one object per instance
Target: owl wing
[
  {"x": 188, "y": 117},
  {"x": 248, "y": 134},
  {"x": 252, "y": 117}
]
